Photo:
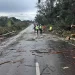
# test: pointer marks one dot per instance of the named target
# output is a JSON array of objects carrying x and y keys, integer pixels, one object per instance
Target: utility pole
[{"x": 39, "y": 1}]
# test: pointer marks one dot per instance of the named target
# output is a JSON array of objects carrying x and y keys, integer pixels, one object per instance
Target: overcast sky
[{"x": 22, "y": 9}]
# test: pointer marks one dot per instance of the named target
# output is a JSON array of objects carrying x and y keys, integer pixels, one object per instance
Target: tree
[{"x": 56, "y": 11}]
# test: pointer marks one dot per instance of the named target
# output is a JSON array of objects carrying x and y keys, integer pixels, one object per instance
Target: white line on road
[{"x": 37, "y": 69}]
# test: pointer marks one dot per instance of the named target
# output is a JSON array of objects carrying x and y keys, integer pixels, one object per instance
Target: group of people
[
  {"x": 41, "y": 28},
  {"x": 38, "y": 28}
]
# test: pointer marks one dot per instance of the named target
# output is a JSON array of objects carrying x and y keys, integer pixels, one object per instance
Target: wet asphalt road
[{"x": 19, "y": 55}]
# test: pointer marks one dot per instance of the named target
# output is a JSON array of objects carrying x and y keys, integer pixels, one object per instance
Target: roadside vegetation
[
  {"x": 58, "y": 13},
  {"x": 12, "y": 25}
]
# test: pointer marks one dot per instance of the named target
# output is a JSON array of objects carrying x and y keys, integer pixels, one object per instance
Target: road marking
[{"x": 37, "y": 69}]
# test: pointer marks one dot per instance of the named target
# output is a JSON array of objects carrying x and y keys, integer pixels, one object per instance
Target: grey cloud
[{"x": 17, "y": 5}]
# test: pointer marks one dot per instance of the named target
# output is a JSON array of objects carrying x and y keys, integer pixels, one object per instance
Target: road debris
[
  {"x": 65, "y": 67},
  {"x": 1, "y": 63},
  {"x": 12, "y": 61},
  {"x": 61, "y": 52},
  {"x": 73, "y": 57},
  {"x": 21, "y": 51}
]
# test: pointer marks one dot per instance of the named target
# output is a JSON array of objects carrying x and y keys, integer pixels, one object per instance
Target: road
[{"x": 29, "y": 54}]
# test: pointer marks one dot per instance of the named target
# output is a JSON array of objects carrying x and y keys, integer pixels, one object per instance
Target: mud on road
[{"x": 20, "y": 54}]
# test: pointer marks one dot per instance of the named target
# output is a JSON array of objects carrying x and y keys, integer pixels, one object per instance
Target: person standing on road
[
  {"x": 50, "y": 28},
  {"x": 44, "y": 28},
  {"x": 40, "y": 28},
  {"x": 37, "y": 28}
]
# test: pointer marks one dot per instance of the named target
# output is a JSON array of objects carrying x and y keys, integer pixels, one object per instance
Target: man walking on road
[{"x": 37, "y": 28}]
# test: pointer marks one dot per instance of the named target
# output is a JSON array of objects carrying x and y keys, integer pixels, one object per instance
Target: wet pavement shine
[{"x": 31, "y": 54}]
